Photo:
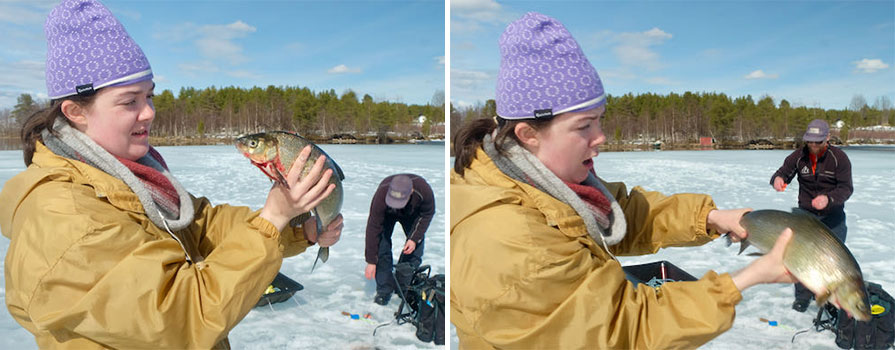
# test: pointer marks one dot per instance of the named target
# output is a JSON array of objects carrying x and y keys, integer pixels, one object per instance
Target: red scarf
[
  {"x": 596, "y": 201},
  {"x": 161, "y": 189}
]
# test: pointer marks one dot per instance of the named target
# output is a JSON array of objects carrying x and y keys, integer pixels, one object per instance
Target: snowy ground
[
  {"x": 740, "y": 179},
  {"x": 313, "y": 318}
]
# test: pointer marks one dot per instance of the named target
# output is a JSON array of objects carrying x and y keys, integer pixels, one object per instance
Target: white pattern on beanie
[{"x": 88, "y": 48}]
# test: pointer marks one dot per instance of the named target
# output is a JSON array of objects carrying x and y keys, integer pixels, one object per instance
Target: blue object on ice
[
  {"x": 773, "y": 323},
  {"x": 355, "y": 316}
]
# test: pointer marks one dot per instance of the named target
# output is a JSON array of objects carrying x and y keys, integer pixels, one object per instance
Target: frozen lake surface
[
  {"x": 313, "y": 318},
  {"x": 740, "y": 179}
]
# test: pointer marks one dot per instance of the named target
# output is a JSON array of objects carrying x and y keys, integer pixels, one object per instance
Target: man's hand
[
  {"x": 779, "y": 185},
  {"x": 370, "y": 271},
  {"x": 409, "y": 247},
  {"x": 820, "y": 202}
]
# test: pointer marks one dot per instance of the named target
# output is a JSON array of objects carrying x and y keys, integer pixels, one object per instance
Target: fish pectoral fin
[
  {"x": 281, "y": 179},
  {"x": 743, "y": 246},
  {"x": 755, "y": 254}
]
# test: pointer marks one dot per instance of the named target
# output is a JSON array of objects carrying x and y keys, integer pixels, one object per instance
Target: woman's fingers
[
  {"x": 313, "y": 176},
  {"x": 295, "y": 171},
  {"x": 314, "y": 201}
]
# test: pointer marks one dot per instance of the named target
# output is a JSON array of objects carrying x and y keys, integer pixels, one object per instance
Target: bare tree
[{"x": 884, "y": 105}]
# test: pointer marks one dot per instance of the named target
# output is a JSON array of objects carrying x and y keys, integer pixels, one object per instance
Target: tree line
[
  {"x": 231, "y": 111},
  {"x": 681, "y": 119}
]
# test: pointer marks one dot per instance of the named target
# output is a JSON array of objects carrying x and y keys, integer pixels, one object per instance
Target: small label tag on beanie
[
  {"x": 85, "y": 90},
  {"x": 543, "y": 113}
]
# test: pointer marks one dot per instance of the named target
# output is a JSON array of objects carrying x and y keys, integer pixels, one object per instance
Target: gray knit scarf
[
  {"x": 519, "y": 164},
  {"x": 70, "y": 143}
]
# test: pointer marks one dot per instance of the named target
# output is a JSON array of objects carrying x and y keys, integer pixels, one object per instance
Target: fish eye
[{"x": 253, "y": 143}]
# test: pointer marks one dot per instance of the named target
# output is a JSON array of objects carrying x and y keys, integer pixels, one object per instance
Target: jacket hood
[
  {"x": 47, "y": 166},
  {"x": 484, "y": 185}
]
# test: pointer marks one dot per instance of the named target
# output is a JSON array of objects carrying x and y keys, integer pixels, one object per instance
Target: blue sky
[
  {"x": 391, "y": 50},
  {"x": 815, "y": 54}
]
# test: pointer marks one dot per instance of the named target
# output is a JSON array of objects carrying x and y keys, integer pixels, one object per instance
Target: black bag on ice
[
  {"x": 424, "y": 299},
  {"x": 878, "y": 333}
]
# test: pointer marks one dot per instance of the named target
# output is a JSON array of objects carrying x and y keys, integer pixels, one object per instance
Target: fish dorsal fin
[{"x": 338, "y": 169}]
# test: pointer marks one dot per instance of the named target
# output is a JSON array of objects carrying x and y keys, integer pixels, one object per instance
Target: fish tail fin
[{"x": 322, "y": 254}]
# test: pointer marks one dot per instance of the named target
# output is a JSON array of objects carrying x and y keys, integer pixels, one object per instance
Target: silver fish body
[
  {"x": 275, "y": 152},
  {"x": 818, "y": 259}
]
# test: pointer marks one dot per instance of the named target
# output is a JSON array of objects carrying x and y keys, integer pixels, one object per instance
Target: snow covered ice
[
  {"x": 313, "y": 317},
  {"x": 738, "y": 179}
]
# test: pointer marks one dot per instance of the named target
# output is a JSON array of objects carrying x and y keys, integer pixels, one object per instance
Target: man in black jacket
[
  {"x": 404, "y": 198},
  {"x": 825, "y": 184}
]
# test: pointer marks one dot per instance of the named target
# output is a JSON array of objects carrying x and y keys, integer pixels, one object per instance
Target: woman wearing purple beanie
[
  {"x": 534, "y": 230},
  {"x": 107, "y": 249}
]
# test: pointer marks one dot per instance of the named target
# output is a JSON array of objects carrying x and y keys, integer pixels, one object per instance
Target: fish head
[
  {"x": 263, "y": 151},
  {"x": 852, "y": 297},
  {"x": 259, "y": 148}
]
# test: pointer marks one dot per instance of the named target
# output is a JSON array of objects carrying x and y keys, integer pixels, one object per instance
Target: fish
[
  {"x": 815, "y": 256},
  {"x": 274, "y": 152}
]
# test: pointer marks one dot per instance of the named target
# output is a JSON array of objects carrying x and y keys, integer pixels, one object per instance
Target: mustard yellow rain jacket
[
  {"x": 87, "y": 269},
  {"x": 526, "y": 275}
]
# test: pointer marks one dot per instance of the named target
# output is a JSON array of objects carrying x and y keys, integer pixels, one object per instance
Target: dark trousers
[
  {"x": 385, "y": 282},
  {"x": 836, "y": 222}
]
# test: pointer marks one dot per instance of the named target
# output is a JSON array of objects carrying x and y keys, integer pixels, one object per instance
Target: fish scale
[
  {"x": 814, "y": 256},
  {"x": 274, "y": 152}
]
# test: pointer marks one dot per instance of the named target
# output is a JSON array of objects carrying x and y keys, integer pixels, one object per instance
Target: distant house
[{"x": 706, "y": 141}]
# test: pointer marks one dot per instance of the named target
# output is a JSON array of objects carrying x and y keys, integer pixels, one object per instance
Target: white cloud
[
  {"x": 870, "y": 65},
  {"x": 638, "y": 48},
  {"x": 660, "y": 81},
  {"x": 216, "y": 41},
  {"x": 468, "y": 79},
  {"x": 23, "y": 13},
  {"x": 473, "y": 15},
  {"x": 479, "y": 10},
  {"x": 760, "y": 74},
  {"x": 342, "y": 69}
]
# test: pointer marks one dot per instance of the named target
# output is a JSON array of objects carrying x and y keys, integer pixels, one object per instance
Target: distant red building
[{"x": 706, "y": 141}]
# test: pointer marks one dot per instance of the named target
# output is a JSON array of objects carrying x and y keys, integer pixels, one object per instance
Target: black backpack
[
  {"x": 424, "y": 298},
  {"x": 878, "y": 333}
]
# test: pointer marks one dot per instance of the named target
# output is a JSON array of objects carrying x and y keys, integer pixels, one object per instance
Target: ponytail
[
  {"x": 42, "y": 120},
  {"x": 469, "y": 138}
]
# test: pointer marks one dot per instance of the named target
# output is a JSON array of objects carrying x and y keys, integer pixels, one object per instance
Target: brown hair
[
  {"x": 43, "y": 119},
  {"x": 469, "y": 138}
]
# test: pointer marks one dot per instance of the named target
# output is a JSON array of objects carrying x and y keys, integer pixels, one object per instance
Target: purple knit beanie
[
  {"x": 543, "y": 71},
  {"x": 88, "y": 49}
]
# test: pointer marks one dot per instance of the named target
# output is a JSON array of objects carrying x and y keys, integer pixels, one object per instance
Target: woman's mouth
[{"x": 140, "y": 133}]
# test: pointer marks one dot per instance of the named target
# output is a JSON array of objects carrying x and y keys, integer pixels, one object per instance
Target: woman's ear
[
  {"x": 75, "y": 113},
  {"x": 527, "y": 135}
]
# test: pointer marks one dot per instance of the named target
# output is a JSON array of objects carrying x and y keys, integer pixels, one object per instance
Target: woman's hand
[
  {"x": 768, "y": 268},
  {"x": 302, "y": 195},
  {"x": 728, "y": 221},
  {"x": 330, "y": 235}
]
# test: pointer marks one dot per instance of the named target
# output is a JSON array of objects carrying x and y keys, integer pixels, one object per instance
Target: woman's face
[
  {"x": 119, "y": 119},
  {"x": 569, "y": 143}
]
